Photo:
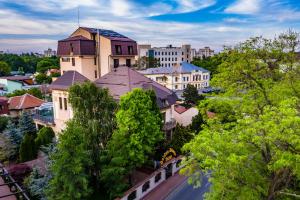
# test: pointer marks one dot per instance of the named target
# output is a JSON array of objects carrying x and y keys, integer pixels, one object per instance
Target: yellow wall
[
  {"x": 105, "y": 52},
  {"x": 82, "y": 32}
]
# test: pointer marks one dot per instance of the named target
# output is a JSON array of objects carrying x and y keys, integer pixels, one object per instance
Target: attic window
[
  {"x": 118, "y": 49},
  {"x": 130, "y": 50}
]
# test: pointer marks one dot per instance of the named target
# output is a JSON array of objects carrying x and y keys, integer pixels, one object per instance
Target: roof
[
  {"x": 79, "y": 37},
  {"x": 112, "y": 35},
  {"x": 3, "y": 99},
  {"x": 124, "y": 79},
  {"x": 68, "y": 79},
  {"x": 24, "y": 102},
  {"x": 180, "y": 109},
  {"x": 184, "y": 68},
  {"x": 16, "y": 78}
]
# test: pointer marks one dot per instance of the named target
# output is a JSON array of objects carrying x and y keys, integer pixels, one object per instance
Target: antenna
[{"x": 78, "y": 16}]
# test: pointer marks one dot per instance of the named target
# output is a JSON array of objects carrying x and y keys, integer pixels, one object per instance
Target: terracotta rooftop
[
  {"x": 180, "y": 109},
  {"x": 123, "y": 79},
  {"x": 24, "y": 102},
  {"x": 68, "y": 79}
]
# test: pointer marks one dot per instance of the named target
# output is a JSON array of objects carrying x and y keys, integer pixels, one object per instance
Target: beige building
[
  {"x": 95, "y": 52},
  {"x": 177, "y": 78}
]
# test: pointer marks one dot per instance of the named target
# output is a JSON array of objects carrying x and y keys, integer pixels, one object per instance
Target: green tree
[
  {"x": 27, "y": 148},
  {"x": 8, "y": 150},
  {"x": 43, "y": 65},
  {"x": 94, "y": 109},
  {"x": 14, "y": 133},
  {"x": 26, "y": 124},
  {"x": 255, "y": 156},
  {"x": 71, "y": 164},
  {"x": 138, "y": 131},
  {"x": 42, "y": 78},
  {"x": 210, "y": 63},
  {"x": 180, "y": 136},
  {"x": 44, "y": 137},
  {"x": 4, "y": 69},
  {"x": 33, "y": 91},
  {"x": 191, "y": 95},
  {"x": 3, "y": 123}
]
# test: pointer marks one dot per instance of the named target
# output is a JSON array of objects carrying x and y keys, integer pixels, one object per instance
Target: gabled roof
[
  {"x": 124, "y": 79},
  {"x": 24, "y": 102},
  {"x": 68, "y": 79},
  {"x": 184, "y": 68},
  {"x": 112, "y": 35}
]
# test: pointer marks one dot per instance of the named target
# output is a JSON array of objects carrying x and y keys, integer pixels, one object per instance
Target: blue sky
[{"x": 34, "y": 25}]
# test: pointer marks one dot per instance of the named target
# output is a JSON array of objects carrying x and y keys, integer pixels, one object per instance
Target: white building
[
  {"x": 204, "y": 53},
  {"x": 49, "y": 53},
  {"x": 167, "y": 56},
  {"x": 178, "y": 77}
]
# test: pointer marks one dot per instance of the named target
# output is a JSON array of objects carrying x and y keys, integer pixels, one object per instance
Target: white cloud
[
  {"x": 192, "y": 5},
  {"x": 245, "y": 7}
]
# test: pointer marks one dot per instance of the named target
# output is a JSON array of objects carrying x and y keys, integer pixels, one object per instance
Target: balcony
[
  {"x": 44, "y": 114},
  {"x": 169, "y": 125}
]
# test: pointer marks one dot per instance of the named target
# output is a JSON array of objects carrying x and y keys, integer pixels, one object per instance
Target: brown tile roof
[
  {"x": 68, "y": 79},
  {"x": 24, "y": 102},
  {"x": 123, "y": 79},
  {"x": 180, "y": 109}
]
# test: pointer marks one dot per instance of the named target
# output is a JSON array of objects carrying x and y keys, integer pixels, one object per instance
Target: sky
[{"x": 35, "y": 25}]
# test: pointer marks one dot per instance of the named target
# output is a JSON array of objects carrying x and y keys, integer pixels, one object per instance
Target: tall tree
[
  {"x": 94, "y": 109},
  {"x": 70, "y": 168},
  {"x": 26, "y": 124},
  {"x": 257, "y": 155},
  {"x": 191, "y": 95},
  {"x": 4, "y": 69},
  {"x": 28, "y": 149},
  {"x": 138, "y": 131}
]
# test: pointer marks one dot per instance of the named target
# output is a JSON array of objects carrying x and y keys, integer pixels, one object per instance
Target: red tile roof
[
  {"x": 180, "y": 109},
  {"x": 24, "y": 102}
]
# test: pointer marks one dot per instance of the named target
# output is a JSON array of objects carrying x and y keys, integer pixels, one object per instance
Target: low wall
[{"x": 153, "y": 180}]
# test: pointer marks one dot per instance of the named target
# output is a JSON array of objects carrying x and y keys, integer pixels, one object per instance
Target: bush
[
  {"x": 181, "y": 136},
  {"x": 27, "y": 149},
  {"x": 3, "y": 123},
  {"x": 44, "y": 137}
]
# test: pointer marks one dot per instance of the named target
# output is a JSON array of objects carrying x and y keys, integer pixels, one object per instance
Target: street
[{"x": 187, "y": 192}]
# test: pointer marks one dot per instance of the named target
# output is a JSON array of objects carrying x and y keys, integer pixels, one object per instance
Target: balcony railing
[
  {"x": 169, "y": 125},
  {"x": 45, "y": 116}
]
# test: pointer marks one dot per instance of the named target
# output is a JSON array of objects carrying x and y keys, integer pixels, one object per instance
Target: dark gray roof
[
  {"x": 124, "y": 79},
  {"x": 184, "y": 68},
  {"x": 68, "y": 79},
  {"x": 107, "y": 33}
]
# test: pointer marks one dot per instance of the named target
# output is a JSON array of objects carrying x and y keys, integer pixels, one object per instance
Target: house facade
[
  {"x": 95, "y": 52},
  {"x": 18, "y": 104},
  {"x": 177, "y": 78}
]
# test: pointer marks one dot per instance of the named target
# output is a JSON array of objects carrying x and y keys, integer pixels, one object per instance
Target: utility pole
[{"x": 78, "y": 16}]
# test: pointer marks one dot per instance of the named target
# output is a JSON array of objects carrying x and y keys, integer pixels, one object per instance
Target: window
[
  {"x": 95, "y": 61},
  {"x": 146, "y": 186},
  {"x": 132, "y": 195},
  {"x": 166, "y": 65},
  {"x": 116, "y": 63},
  {"x": 172, "y": 53},
  {"x": 169, "y": 53},
  {"x": 95, "y": 73},
  {"x": 162, "y": 53},
  {"x": 157, "y": 177},
  {"x": 187, "y": 78},
  {"x": 172, "y": 59},
  {"x": 155, "y": 53},
  {"x": 159, "y": 53},
  {"x": 65, "y": 103},
  {"x": 176, "y": 53},
  {"x": 71, "y": 48},
  {"x": 176, "y": 79},
  {"x": 130, "y": 50},
  {"x": 182, "y": 59},
  {"x": 169, "y": 59},
  {"x": 128, "y": 62},
  {"x": 163, "y": 116},
  {"x": 118, "y": 49},
  {"x": 176, "y": 87},
  {"x": 169, "y": 65},
  {"x": 73, "y": 61},
  {"x": 175, "y": 58},
  {"x": 162, "y": 59},
  {"x": 60, "y": 103},
  {"x": 182, "y": 53},
  {"x": 64, "y": 59}
]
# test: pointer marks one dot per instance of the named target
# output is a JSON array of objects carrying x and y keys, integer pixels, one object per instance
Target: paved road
[{"x": 187, "y": 192}]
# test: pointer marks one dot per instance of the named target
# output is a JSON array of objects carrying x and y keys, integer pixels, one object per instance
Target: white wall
[{"x": 186, "y": 117}]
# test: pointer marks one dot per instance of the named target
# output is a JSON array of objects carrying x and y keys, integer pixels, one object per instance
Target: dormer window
[
  {"x": 118, "y": 49},
  {"x": 130, "y": 50}
]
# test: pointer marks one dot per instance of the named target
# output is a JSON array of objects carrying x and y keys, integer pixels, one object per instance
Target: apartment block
[
  {"x": 167, "y": 56},
  {"x": 95, "y": 52}
]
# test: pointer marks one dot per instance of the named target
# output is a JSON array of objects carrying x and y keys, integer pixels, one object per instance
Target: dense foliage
[
  {"x": 3, "y": 123},
  {"x": 191, "y": 96},
  {"x": 71, "y": 165},
  {"x": 4, "y": 69},
  {"x": 29, "y": 63},
  {"x": 210, "y": 63},
  {"x": 28, "y": 149},
  {"x": 33, "y": 91},
  {"x": 252, "y": 149},
  {"x": 138, "y": 131},
  {"x": 44, "y": 137},
  {"x": 181, "y": 136}
]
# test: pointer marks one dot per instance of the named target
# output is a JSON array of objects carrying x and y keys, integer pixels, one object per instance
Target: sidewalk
[
  {"x": 4, "y": 190},
  {"x": 165, "y": 188}
]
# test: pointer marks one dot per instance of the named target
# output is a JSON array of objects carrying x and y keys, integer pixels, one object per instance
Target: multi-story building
[
  {"x": 167, "y": 56},
  {"x": 95, "y": 52},
  {"x": 178, "y": 77},
  {"x": 204, "y": 53},
  {"x": 49, "y": 53}
]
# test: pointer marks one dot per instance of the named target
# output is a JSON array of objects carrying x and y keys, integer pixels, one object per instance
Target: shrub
[
  {"x": 44, "y": 137},
  {"x": 27, "y": 149}
]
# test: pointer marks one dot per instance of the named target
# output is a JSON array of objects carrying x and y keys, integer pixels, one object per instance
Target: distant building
[
  {"x": 177, "y": 78},
  {"x": 95, "y": 52},
  {"x": 204, "y": 53},
  {"x": 167, "y": 56},
  {"x": 26, "y": 102},
  {"x": 49, "y": 53}
]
